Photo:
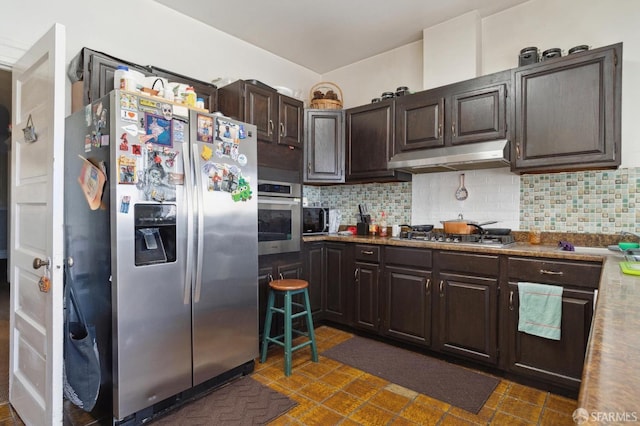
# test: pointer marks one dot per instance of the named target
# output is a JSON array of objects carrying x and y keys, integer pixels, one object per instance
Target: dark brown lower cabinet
[
  {"x": 407, "y": 301},
  {"x": 467, "y": 305},
  {"x": 555, "y": 361},
  {"x": 314, "y": 273},
  {"x": 337, "y": 279},
  {"x": 468, "y": 316},
  {"x": 366, "y": 296}
]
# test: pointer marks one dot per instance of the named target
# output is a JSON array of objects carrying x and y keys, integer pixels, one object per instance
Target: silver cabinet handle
[
  {"x": 367, "y": 252},
  {"x": 356, "y": 273},
  {"x": 545, "y": 272},
  {"x": 441, "y": 288},
  {"x": 270, "y": 130},
  {"x": 281, "y": 129},
  {"x": 281, "y": 276},
  {"x": 270, "y": 277},
  {"x": 453, "y": 129},
  {"x": 511, "y": 300},
  {"x": 427, "y": 285}
]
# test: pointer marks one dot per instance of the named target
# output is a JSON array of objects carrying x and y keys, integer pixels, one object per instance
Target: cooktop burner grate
[{"x": 475, "y": 239}]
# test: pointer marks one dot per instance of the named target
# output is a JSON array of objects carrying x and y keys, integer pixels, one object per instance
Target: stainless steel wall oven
[{"x": 279, "y": 212}]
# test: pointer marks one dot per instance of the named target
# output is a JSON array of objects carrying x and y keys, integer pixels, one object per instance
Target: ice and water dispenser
[{"x": 155, "y": 233}]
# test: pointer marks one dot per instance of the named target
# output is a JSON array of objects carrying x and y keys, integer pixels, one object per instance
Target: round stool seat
[{"x": 288, "y": 284}]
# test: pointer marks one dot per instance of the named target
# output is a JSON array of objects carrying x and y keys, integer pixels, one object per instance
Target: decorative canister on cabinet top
[{"x": 528, "y": 55}]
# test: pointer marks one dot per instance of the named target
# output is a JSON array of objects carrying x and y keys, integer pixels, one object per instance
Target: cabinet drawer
[
  {"x": 415, "y": 258},
  {"x": 368, "y": 253},
  {"x": 476, "y": 264},
  {"x": 551, "y": 271}
]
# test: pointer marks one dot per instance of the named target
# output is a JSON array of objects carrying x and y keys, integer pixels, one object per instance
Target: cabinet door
[
  {"x": 567, "y": 112},
  {"x": 315, "y": 275},
  {"x": 324, "y": 146},
  {"x": 338, "y": 276},
  {"x": 556, "y": 361},
  {"x": 479, "y": 115},
  {"x": 290, "y": 125},
  {"x": 407, "y": 305},
  {"x": 102, "y": 69},
  {"x": 419, "y": 121},
  {"x": 366, "y": 296},
  {"x": 467, "y": 317},
  {"x": 369, "y": 141},
  {"x": 265, "y": 275},
  {"x": 260, "y": 109},
  {"x": 291, "y": 270}
]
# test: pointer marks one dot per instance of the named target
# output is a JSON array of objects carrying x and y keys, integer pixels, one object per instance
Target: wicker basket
[{"x": 324, "y": 87}]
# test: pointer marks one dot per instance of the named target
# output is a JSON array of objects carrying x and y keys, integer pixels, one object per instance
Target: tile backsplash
[
  {"x": 392, "y": 198},
  {"x": 601, "y": 201}
]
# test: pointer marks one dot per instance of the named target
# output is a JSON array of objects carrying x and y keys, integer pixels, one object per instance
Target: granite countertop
[{"x": 613, "y": 352}]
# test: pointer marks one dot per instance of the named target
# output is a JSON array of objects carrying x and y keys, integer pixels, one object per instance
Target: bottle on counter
[{"x": 383, "y": 224}]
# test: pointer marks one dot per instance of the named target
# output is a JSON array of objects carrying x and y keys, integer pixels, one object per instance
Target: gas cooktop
[{"x": 469, "y": 239}]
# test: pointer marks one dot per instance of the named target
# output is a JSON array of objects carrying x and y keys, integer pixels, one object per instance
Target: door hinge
[{"x": 615, "y": 59}]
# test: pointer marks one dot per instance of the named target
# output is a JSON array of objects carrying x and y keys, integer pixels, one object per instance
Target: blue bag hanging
[{"x": 81, "y": 373}]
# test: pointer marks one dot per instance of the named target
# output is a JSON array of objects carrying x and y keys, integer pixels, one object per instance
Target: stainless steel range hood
[{"x": 480, "y": 155}]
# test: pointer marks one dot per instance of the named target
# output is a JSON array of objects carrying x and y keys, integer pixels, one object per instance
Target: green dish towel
[{"x": 540, "y": 310}]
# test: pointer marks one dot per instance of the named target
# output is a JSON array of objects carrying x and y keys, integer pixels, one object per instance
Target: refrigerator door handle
[
  {"x": 189, "y": 203},
  {"x": 200, "y": 233}
]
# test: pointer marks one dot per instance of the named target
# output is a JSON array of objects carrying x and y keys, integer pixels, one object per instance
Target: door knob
[{"x": 39, "y": 263}]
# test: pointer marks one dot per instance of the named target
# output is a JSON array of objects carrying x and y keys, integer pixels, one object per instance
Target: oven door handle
[{"x": 284, "y": 202}]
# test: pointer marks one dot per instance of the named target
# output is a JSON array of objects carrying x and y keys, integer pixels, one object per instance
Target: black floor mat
[
  {"x": 446, "y": 382},
  {"x": 241, "y": 402}
]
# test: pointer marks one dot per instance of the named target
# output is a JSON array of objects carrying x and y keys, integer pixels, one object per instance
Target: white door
[{"x": 35, "y": 360}]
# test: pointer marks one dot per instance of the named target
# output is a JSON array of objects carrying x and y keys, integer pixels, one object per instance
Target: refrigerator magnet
[
  {"x": 206, "y": 153},
  {"x": 136, "y": 149},
  {"x": 91, "y": 180},
  {"x": 132, "y": 129},
  {"x": 128, "y": 101},
  {"x": 158, "y": 130},
  {"x": 126, "y": 170},
  {"x": 87, "y": 143},
  {"x": 205, "y": 129},
  {"x": 104, "y": 140},
  {"x": 124, "y": 204},
  {"x": 131, "y": 116},
  {"x": 124, "y": 142}
]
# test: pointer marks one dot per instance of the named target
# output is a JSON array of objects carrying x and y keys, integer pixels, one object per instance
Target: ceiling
[{"x": 324, "y": 35}]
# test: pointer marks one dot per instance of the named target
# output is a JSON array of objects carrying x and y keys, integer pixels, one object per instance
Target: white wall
[
  {"x": 367, "y": 79},
  {"x": 451, "y": 59},
  {"x": 145, "y": 32}
]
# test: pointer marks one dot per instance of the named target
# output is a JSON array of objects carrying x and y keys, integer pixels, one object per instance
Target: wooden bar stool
[{"x": 288, "y": 288}]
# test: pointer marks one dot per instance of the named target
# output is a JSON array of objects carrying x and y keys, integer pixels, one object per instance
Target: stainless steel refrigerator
[{"x": 161, "y": 247}]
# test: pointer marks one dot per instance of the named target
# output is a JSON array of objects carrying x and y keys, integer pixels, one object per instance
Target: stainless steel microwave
[
  {"x": 279, "y": 212},
  {"x": 315, "y": 220}
]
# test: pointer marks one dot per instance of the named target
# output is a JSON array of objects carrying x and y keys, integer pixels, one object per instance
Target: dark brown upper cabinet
[
  {"x": 97, "y": 69},
  {"x": 324, "y": 146},
  {"x": 567, "y": 112},
  {"x": 466, "y": 112},
  {"x": 278, "y": 118},
  {"x": 370, "y": 143}
]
